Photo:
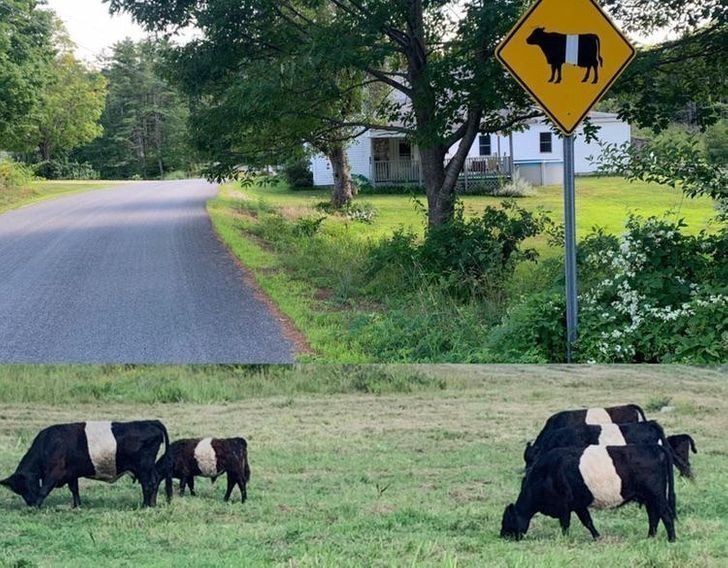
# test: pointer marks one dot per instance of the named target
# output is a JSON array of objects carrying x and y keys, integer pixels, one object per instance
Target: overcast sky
[{"x": 92, "y": 29}]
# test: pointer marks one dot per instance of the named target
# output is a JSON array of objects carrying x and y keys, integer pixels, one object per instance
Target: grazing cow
[
  {"x": 61, "y": 454},
  {"x": 625, "y": 414},
  {"x": 649, "y": 432},
  {"x": 209, "y": 457},
  {"x": 583, "y": 50},
  {"x": 577, "y": 479},
  {"x": 681, "y": 445}
]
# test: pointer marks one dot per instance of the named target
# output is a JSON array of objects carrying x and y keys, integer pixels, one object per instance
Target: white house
[{"x": 537, "y": 154}]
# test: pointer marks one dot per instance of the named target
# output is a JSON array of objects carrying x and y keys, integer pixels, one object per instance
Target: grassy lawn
[
  {"x": 352, "y": 478},
  {"x": 604, "y": 202},
  {"x": 12, "y": 198},
  {"x": 322, "y": 284}
]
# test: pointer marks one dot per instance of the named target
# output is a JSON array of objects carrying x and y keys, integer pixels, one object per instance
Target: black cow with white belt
[
  {"x": 566, "y": 480},
  {"x": 61, "y": 454},
  {"x": 649, "y": 432}
]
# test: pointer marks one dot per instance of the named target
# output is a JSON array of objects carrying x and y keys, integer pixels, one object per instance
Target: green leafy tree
[
  {"x": 436, "y": 57},
  {"x": 144, "y": 120},
  {"x": 70, "y": 104},
  {"x": 25, "y": 52}
]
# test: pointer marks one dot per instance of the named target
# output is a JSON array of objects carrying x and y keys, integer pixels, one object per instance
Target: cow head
[
  {"x": 535, "y": 37},
  {"x": 513, "y": 526},
  {"x": 27, "y": 488}
]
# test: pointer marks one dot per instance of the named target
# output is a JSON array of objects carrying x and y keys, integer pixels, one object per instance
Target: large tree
[
  {"x": 25, "y": 51},
  {"x": 436, "y": 56},
  {"x": 67, "y": 114},
  {"x": 144, "y": 120}
]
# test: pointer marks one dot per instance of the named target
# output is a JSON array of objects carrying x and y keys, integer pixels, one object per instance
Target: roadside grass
[
  {"x": 12, "y": 198},
  {"x": 417, "y": 479},
  {"x": 319, "y": 274}
]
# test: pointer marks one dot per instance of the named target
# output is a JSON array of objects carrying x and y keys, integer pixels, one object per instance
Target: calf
[
  {"x": 209, "y": 457},
  {"x": 577, "y": 479},
  {"x": 61, "y": 454},
  {"x": 681, "y": 445},
  {"x": 583, "y": 50},
  {"x": 649, "y": 432},
  {"x": 625, "y": 414}
]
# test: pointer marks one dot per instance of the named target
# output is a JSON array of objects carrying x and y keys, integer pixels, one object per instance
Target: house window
[
  {"x": 405, "y": 150},
  {"x": 485, "y": 149},
  {"x": 545, "y": 142}
]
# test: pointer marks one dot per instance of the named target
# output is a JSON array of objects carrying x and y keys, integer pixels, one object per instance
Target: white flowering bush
[
  {"x": 662, "y": 296},
  {"x": 652, "y": 295}
]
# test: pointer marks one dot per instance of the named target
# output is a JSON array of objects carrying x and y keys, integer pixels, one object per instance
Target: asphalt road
[{"x": 133, "y": 274}]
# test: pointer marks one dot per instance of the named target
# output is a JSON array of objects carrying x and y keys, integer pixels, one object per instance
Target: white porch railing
[
  {"x": 397, "y": 171},
  {"x": 407, "y": 170}
]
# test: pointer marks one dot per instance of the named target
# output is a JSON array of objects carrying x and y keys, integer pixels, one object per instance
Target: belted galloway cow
[
  {"x": 566, "y": 480},
  {"x": 61, "y": 454},
  {"x": 649, "y": 432},
  {"x": 209, "y": 457}
]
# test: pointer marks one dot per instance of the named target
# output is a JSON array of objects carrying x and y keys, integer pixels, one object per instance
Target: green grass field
[
  {"x": 351, "y": 478},
  {"x": 604, "y": 202},
  {"x": 12, "y": 198}
]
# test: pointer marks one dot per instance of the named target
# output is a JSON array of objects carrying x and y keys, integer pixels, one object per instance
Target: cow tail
[
  {"x": 168, "y": 486},
  {"x": 637, "y": 407},
  {"x": 670, "y": 483},
  {"x": 601, "y": 64}
]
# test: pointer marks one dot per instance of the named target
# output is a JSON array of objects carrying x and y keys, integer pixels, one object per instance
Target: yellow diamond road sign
[{"x": 566, "y": 54}]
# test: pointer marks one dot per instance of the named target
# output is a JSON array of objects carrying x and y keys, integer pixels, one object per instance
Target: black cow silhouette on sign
[{"x": 583, "y": 50}]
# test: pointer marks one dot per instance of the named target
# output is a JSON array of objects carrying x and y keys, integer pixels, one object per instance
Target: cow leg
[
  {"x": 596, "y": 74},
  {"x": 565, "y": 522},
  {"x": 182, "y": 482},
  {"x": 243, "y": 490},
  {"x": 73, "y": 486},
  {"x": 667, "y": 520},
  {"x": 191, "y": 485},
  {"x": 231, "y": 482},
  {"x": 553, "y": 74},
  {"x": 586, "y": 520},
  {"x": 653, "y": 517},
  {"x": 155, "y": 486},
  {"x": 558, "y": 72},
  {"x": 586, "y": 77}
]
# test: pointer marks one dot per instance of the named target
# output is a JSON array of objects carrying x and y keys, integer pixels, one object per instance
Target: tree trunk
[
  {"x": 344, "y": 189},
  {"x": 440, "y": 201}
]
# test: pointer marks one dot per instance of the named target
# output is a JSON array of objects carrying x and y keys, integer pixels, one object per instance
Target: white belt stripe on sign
[{"x": 572, "y": 49}]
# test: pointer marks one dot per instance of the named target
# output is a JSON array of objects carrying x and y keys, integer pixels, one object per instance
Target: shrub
[
  {"x": 176, "y": 175},
  {"x": 655, "y": 295},
  {"x": 517, "y": 187},
  {"x": 13, "y": 174},
  {"x": 362, "y": 184},
  {"x": 298, "y": 174},
  {"x": 468, "y": 256},
  {"x": 533, "y": 331},
  {"x": 65, "y": 169},
  {"x": 354, "y": 211}
]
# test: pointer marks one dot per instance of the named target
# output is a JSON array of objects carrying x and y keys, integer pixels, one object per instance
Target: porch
[{"x": 476, "y": 171}]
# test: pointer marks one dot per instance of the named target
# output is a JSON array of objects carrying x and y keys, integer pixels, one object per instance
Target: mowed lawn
[
  {"x": 355, "y": 479},
  {"x": 604, "y": 202},
  {"x": 11, "y": 198}
]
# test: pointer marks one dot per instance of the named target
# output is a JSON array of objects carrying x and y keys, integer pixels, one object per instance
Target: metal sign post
[
  {"x": 572, "y": 323},
  {"x": 566, "y": 60}
]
